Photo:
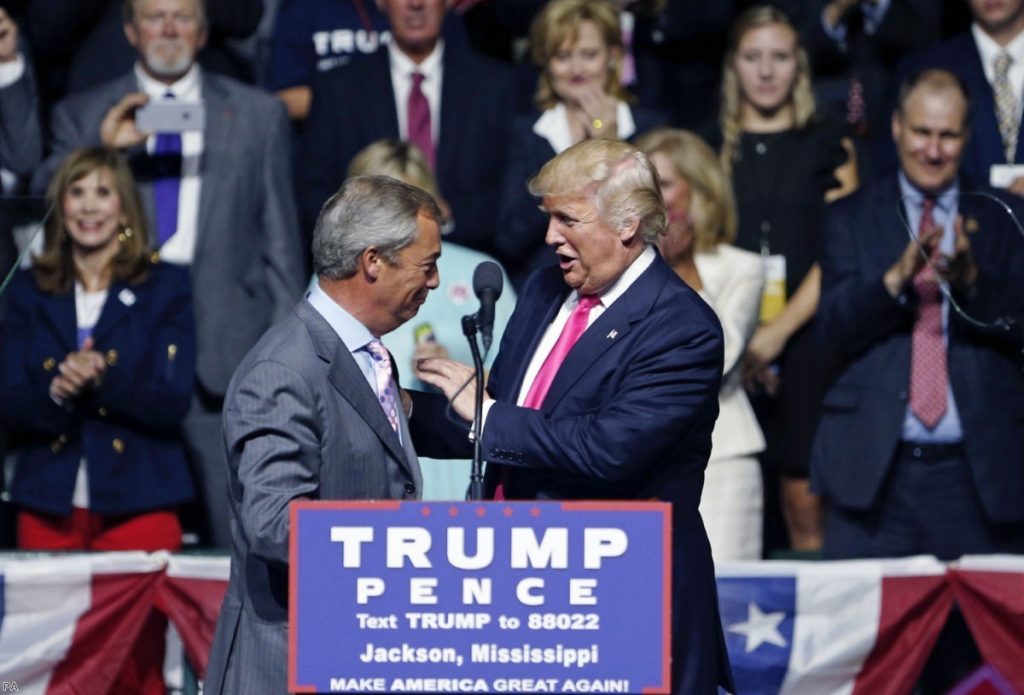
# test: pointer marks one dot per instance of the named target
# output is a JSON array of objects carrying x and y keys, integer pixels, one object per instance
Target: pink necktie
[
  {"x": 571, "y": 332},
  {"x": 928, "y": 372},
  {"x": 385, "y": 384},
  {"x": 418, "y": 110}
]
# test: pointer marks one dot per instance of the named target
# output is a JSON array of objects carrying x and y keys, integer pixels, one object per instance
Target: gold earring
[{"x": 125, "y": 234}]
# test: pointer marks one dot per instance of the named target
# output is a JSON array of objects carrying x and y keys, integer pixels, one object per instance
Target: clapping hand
[{"x": 80, "y": 371}]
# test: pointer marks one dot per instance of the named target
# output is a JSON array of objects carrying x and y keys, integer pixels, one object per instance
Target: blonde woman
[
  {"x": 697, "y": 245},
  {"x": 784, "y": 164},
  {"x": 577, "y": 46}
]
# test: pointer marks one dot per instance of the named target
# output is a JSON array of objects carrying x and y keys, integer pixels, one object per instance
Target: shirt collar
[
  {"x": 354, "y": 334},
  {"x": 185, "y": 89},
  {"x": 945, "y": 201},
  {"x": 988, "y": 48},
  {"x": 430, "y": 68},
  {"x": 553, "y": 125}
]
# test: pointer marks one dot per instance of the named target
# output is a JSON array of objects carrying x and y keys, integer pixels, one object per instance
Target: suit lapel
[
  {"x": 526, "y": 342},
  {"x": 609, "y": 329},
  {"x": 59, "y": 311},
  {"x": 892, "y": 223},
  {"x": 987, "y": 137},
  {"x": 120, "y": 299},
  {"x": 348, "y": 380},
  {"x": 216, "y": 139},
  {"x": 456, "y": 96}
]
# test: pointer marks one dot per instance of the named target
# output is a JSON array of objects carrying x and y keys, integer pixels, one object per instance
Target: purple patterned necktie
[
  {"x": 167, "y": 184},
  {"x": 385, "y": 384}
]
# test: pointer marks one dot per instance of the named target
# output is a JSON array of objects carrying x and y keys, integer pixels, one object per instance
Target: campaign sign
[{"x": 529, "y": 597}]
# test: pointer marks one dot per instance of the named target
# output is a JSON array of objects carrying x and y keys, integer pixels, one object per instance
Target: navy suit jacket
[
  {"x": 868, "y": 334},
  {"x": 128, "y": 429},
  {"x": 960, "y": 56},
  {"x": 628, "y": 416},
  {"x": 354, "y": 106}
]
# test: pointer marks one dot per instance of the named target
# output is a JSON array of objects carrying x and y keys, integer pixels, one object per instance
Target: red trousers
[{"x": 85, "y": 530}]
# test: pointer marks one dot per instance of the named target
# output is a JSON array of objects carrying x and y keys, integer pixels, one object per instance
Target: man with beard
[{"x": 219, "y": 199}]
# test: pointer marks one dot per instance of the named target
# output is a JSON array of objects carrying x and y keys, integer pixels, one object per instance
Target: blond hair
[
  {"x": 395, "y": 158},
  {"x": 801, "y": 97},
  {"x": 619, "y": 177},
  {"x": 558, "y": 24},
  {"x": 712, "y": 202},
  {"x": 54, "y": 268}
]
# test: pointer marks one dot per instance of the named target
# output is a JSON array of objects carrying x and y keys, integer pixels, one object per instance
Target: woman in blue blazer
[
  {"x": 577, "y": 45},
  {"x": 97, "y": 362}
]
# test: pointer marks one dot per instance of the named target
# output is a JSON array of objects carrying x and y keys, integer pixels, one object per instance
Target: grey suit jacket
[
  {"x": 300, "y": 422},
  {"x": 21, "y": 141},
  {"x": 248, "y": 266}
]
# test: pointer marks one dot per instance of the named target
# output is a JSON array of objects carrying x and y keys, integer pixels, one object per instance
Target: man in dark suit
[
  {"x": 989, "y": 59},
  {"x": 313, "y": 411},
  {"x": 921, "y": 442},
  {"x": 230, "y": 215},
  {"x": 606, "y": 383},
  {"x": 455, "y": 111}
]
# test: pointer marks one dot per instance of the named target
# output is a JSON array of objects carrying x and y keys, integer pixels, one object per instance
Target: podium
[{"x": 550, "y": 597}]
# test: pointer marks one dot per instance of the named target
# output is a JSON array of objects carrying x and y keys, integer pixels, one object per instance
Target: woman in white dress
[{"x": 702, "y": 223}]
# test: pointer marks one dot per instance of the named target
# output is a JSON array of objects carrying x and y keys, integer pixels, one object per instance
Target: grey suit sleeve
[
  {"x": 273, "y": 439},
  {"x": 67, "y": 132},
  {"x": 283, "y": 254},
  {"x": 21, "y": 140}
]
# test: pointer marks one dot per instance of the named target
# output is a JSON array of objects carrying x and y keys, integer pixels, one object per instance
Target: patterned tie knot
[
  {"x": 1002, "y": 63},
  {"x": 385, "y": 385},
  {"x": 379, "y": 353},
  {"x": 417, "y": 79}
]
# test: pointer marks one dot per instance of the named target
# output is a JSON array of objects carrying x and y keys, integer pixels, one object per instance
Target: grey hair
[{"x": 367, "y": 211}]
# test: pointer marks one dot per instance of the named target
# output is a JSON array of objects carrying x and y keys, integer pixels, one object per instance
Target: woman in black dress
[{"x": 785, "y": 165}]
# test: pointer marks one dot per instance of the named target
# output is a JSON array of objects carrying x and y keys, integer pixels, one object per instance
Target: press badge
[{"x": 773, "y": 296}]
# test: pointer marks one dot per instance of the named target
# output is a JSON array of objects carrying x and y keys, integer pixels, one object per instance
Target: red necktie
[
  {"x": 928, "y": 372},
  {"x": 418, "y": 110},
  {"x": 571, "y": 332}
]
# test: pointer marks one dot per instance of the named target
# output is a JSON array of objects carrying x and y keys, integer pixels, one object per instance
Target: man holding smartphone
[{"x": 216, "y": 183}]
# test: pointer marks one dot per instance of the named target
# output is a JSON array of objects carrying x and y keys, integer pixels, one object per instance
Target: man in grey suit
[
  {"x": 312, "y": 412},
  {"x": 218, "y": 199}
]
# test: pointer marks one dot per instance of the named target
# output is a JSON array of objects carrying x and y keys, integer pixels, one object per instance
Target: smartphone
[{"x": 170, "y": 116}]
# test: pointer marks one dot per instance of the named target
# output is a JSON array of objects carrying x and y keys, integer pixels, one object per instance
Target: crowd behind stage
[{"x": 773, "y": 135}]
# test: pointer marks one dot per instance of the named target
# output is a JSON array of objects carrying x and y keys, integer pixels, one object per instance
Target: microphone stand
[{"x": 476, "y": 476}]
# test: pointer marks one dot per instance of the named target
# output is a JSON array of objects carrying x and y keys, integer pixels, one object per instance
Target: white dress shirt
[
  {"x": 553, "y": 126},
  {"x": 432, "y": 70},
  {"x": 181, "y": 247}
]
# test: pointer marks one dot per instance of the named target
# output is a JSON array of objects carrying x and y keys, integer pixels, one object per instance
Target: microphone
[{"x": 487, "y": 282}]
